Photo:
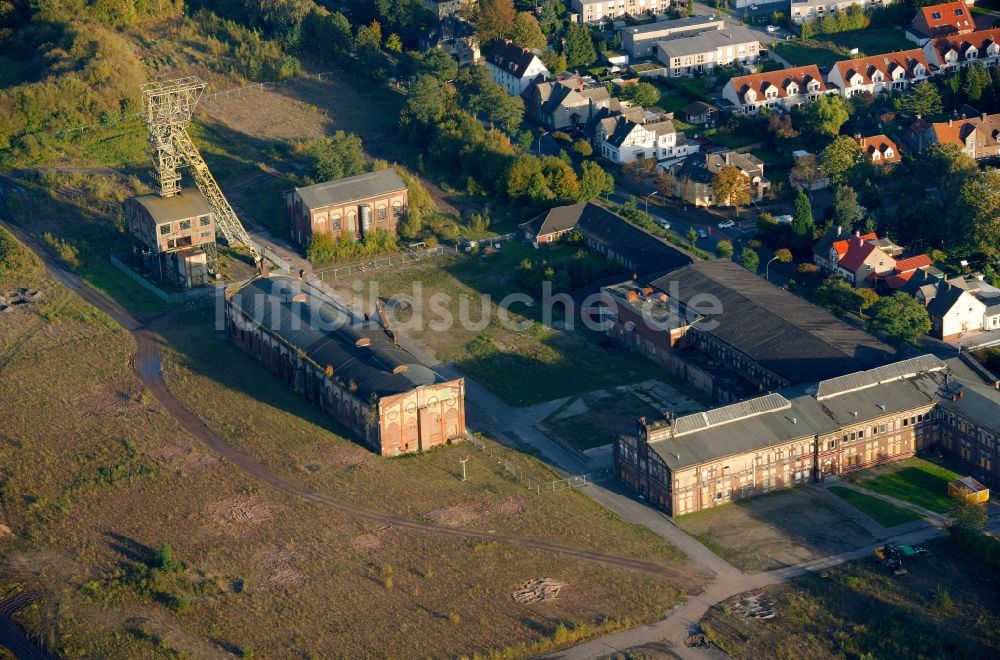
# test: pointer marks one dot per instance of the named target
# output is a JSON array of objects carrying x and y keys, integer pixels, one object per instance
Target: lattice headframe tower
[{"x": 167, "y": 108}]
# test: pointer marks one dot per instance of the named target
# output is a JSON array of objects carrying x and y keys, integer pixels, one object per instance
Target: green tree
[
  {"x": 827, "y": 114},
  {"x": 724, "y": 249},
  {"x": 164, "y": 559},
  {"x": 394, "y": 44},
  {"x": 750, "y": 260},
  {"x": 334, "y": 157},
  {"x": 802, "y": 221},
  {"x": 847, "y": 212},
  {"x": 642, "y": 93},
  {"x": 554, "y": 62},
  {"x": 900, "y": 316},
  {"x": 972, "y": 82},
  {"x": 426, "y": 104},
  {"x": 432, "y": 62},
  {"x": 839, "y": 158},
  {"x": 922, "y": 99},
  {"x": 579, "y": 46},
  {"x": 413, "y": 223},
  {"x": 527, "y": 33},
  {"x": 838, "y": 297},
  {"x": 731, "y": 187},
  {"x": 495, "y": 20},
  {"x": 978, "y": 209},
  {"x": 692, "y": 235},
  {"x": 594, "y": 181}
]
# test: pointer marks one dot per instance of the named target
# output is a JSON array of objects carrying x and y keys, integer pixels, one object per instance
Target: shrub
[
  {"x": 66, "y": 251},
  {"x": 583, "y": 148},
  {"x": 559, "y": 136},
  {"x": 808, "y": 268}
]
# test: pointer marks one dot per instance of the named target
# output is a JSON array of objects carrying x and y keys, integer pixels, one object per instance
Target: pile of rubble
[
  {"x": 15, "y": 297},
  {"x": 753, "y": 605},
  {"x": 538, "y": 591}
]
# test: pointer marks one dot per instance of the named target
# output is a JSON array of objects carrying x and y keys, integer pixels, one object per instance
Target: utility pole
[{"x": 463, "y": 461}]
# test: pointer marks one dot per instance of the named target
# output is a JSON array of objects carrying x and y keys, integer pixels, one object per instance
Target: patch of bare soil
[
  {"x": 183, "y": 458},
  {"x": 341, "y": 456},
  {"x": 239, "y": 514},
  {"x": 459, "y": 515},
  {"x": 5, "y": 532},
  {"x": 119, "y": 398},
  {"x": 368, "y": 542},
  {"x": 511, "y": 507},
  {"x": 753, "y": 605},
  {"x": 538, "y": 590}
]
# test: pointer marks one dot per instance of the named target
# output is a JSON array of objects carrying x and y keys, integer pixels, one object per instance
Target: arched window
[{"x": 335, "y": 222}]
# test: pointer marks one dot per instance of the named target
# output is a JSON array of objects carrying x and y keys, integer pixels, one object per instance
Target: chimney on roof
[
  {"x": 857, "y": 232},
  {"x": 840, "y": 230},
  {"x": 983, "y": 116},
  {"x": 949, "y": 121}
]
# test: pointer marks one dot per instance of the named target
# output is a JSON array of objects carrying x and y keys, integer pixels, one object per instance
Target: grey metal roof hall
[
  {"x": 349, "y": 189},
  {"x": 773, "y": 327},
  {"x": 305, "y": 319}
]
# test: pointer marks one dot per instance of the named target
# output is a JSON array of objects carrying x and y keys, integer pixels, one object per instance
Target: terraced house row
[
  {"x": 808, "y": 433},
  {"x": 785, "y": 89}
]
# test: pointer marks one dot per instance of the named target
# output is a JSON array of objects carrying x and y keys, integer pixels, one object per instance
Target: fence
[
  {"x": 390, "y": 261},
  {"x": 536, "y": 485},
  {"x": 170, "y": 298}
]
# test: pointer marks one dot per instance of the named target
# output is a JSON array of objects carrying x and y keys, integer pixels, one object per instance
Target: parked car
[
  {"x": 773, "y": 28},
  {"x": 702, "y": 233},
  {"x": 727, "y": 224},
  {"x": 663, "y": 223},
  {"x": 754, "y": 7},
  {"x": 783, "y": 219}
]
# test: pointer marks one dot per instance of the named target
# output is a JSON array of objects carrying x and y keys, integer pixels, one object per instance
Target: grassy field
[
  {"x": 94, "y": 476},
  {"x": 870, "y": 41},
  {"x": 882, "y": 512},
  {"x": 780, "y": 529},
  {"x": 915, "y": 480},
  {"x": 801, "y": 53},
  {"x": 524, "y": 362},
  {"x": 941, "y": 608}
]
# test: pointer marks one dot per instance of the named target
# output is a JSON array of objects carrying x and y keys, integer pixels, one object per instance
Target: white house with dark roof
[
  {"x": 513, "y": 67},
  {"x": 775, "y": 90},
  {"x": 702, "y": 52},
  {"x": 640, "y": 40},
  {"x": 622, "y": 140},
  {"x": 891, "y": 72}
]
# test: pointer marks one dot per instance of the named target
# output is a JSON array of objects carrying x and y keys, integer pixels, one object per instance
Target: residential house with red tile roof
[
  {"x": 828, "y": 250},
  {"x": 864, "y": 262},
  {"x": 878, "y": 149},
  {"x": 879, "y": 73},
  {"x": 954, "y": 52},
  {"x": 941, "y": 20},
  {"x": 905, "y": 269},
  {"x": 775, "y": 90},
  {"x": 978, "y": 137}
]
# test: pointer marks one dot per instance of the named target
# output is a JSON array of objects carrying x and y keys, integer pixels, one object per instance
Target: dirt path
[
  {"x": 11, "y": 637},
  {"x": 146, "y": 363}
]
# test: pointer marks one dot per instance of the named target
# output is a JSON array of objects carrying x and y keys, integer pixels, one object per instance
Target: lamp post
[
  {"x": 540, "y": 136},
  {"x": 646, "y": 199},
  {"x": 767, "y": 269}
]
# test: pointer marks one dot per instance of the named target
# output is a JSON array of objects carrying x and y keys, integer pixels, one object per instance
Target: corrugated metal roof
[
  {"x": 730, "y": 413},
  {"x": 865, "y": 379},
  {"x": 188, "y": 204},
  {"x": 341, "y": 191},
  {"x": 300, "y": 315}
]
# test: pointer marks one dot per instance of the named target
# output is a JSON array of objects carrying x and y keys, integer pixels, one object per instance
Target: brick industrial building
[
  {"x": 173, "y": 233},
  {"x": 759, "y": 338},
  {"x": 356, "y": 373},
  {"x": 808, "y": 432},
  {"x": 347, "y": 208}
]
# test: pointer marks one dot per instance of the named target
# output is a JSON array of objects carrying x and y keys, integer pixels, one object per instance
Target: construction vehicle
[
  {"x": 167, "y": 108},
  {"x": 891, "y": 555}
]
